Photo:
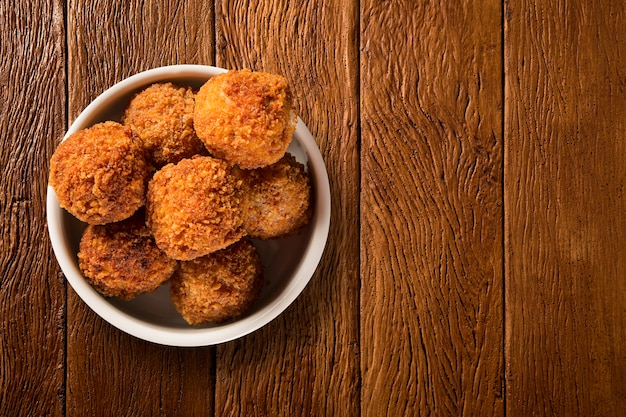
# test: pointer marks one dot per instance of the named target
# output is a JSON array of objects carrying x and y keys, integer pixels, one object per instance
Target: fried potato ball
[
  {"x": 220, "y": 286},
  {"x": 193, "y": 207},
  {"x": 276, "y": 200},
  {"x": 100, "y": 174},
  {"x": 245, "y": 117},
  {"x": 122, "y": 260},
  {"x": 162, "y": 117}
]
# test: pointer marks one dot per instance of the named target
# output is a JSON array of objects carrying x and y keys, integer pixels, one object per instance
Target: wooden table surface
[{"x": 476, "y": 263}]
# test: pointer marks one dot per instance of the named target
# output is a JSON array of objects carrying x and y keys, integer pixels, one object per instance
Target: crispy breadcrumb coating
[
  {"x": 193, "y": 207},
  {"x": 100, "y": 174},
  {"x": 276, "y": 200},
  {"x": 162, "y": 117},
  {"x": 220, "y": 286},
  {"x": 245, "y": 117},
  {"x": 122, "y": 260}
]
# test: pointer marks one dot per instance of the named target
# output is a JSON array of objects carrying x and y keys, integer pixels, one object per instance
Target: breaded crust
[
  {"x": 100, "y": 174},
  {"x": 122, "y": 260},
  {"x": 193, "y": 207},
  {"x": 245, "y": 117},
  {"x": 276, "y": 200},
  {"x": 220, "y": 286},
  {"x": 162, "y": 117}
]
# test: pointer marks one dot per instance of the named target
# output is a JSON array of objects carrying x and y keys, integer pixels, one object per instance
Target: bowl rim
[{"x": 189, "y": 337}]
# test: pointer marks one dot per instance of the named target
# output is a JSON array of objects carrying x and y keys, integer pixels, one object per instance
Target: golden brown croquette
[
  {"x": 122, "y": 260},
  {"x": 100, "y": 174},
  {"x": 276, "y": 200},
  {"x": 220, "y": 286},
  {"x": 245, "y": 117},
  {"x": 162, "y": 117},
  {"x": 193, "y": 207}
]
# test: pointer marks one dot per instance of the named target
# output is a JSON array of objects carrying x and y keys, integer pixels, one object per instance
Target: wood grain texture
[
  {"x": 306, "y": 361},
  {"x": 476, "y": 258},
  {"x": 109, "y": 42},
  {"x": 431, "y": 212},
  {"x": 565, "y": 210},
  {"x": 109, "y": 372},
  {"x": 32, "y": 292}
]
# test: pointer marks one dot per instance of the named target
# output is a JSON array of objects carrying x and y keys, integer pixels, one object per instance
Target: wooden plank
[
  {"x": 32, "y": 292},
  {"x": 565, "y": 208},
  {"x": 103, "y": 51},
  {"x": 431, "y": 208},
  {"x": 109, "y": 372},
  {"x": 306, "y": 361}
]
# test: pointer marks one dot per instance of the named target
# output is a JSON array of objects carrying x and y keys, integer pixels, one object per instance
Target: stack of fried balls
[{"x": 178, "y": 188}]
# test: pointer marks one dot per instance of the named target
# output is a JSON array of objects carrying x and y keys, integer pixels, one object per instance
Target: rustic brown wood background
[{"x": 476, "y": 263}]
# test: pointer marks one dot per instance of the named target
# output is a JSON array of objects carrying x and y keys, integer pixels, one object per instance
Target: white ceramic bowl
[{"x": 289, "y": 263}]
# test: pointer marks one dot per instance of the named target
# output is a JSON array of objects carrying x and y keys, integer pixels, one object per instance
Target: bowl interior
[{"x": 288, "y": 263}]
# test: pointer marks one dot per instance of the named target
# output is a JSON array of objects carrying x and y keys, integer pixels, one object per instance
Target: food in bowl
[
  {"x": 246, "y": 118},
  {"x": 100, "y": 174},
  {"x": 162, "y": 116},
  {"x": 219, "y": 286},
  {"x": 193, "y": 207},
  {"x": 276, "y": 199},
  {"x": 288, "y": 264},
  {"x": 194, "y": 211},
  {"x": 122, "y": 260}
]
